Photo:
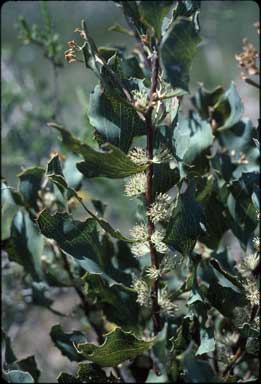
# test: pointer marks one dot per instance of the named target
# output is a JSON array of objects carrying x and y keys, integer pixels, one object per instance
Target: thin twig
[{"x": 251, "y": 82}]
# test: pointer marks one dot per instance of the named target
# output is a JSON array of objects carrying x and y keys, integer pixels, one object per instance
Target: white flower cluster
[
  {"x": 252, "y": 293},
  {"x": 139, "y": 232},
  {"x": 140, "y": 249},
  {"x": 143, "y": 292},
  {"x": 167, "y": 307},
  {"x": 248, "y": 264},
  {"x": 138, "y": 156},
  {"x": 157, "y": 239},
  {"x": 159, "y": 210},
  {"x": 140, "y": 98},
  {"x": 136, "y": 185},
  {"x": 168, "y": 264}
]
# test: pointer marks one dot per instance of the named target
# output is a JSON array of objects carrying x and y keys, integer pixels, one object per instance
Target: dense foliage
[{"x": 177, "y": 298}]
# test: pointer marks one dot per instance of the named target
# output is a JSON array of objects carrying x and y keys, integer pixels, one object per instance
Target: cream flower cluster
[
  {"x": 136, "y": 185},
  {"x": 159, "y": 210},
  {"x": 167, "y": 307},
  {"x": 138, "y": 156},
  {"x": 143, "y": 292}
]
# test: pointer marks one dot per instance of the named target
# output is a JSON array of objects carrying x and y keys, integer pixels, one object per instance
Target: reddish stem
[{"x": 149, "y": 194}]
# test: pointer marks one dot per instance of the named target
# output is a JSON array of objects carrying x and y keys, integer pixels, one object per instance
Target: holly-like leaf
[
  {"x": 198, "y": 371},
  {"x": 177, "y": 49},
  {"x": 191, "y": 138},
  {"x": 204, "y": 100},
  {"x": 111, "y": 298},
  {"x": 114, "y": 118},
  {"x": 9, "y": 354},
  {"x": 25, "y": 244},
  {"x": 228, "y": 110},
  {"x": 111, "y": 162},
  {"x": 10, "y": 202},
  {"x": 80, "y": 240},
  {"x": 29, "y": 184},
  {"x": 153, "y": 13},
  {"x": 65, "y": 341},
  {"x": 18, "y": 377},
  {"x": 186, "y": 223},
  {"x": 29, "y": 365},
  {"x": 207, "y": 341},
  {"x": 118, "y": 347},
  {"x": 132, "y": 15},
  {"x": 87, "y": 373}
]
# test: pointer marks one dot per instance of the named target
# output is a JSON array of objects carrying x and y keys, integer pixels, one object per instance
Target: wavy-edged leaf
[
  {"x": 118, "y": 347},
  {"x": 177, "y": 49},
  {"x": 204, "y": 100},
  {"x": 29, "y": 184},
  {"x": 112, "y": 162},
  {"x": 228, "y": 110},
  {"x": 186, "y": 223},
  {"x": 87, "y": 373},
  {"x": 18, "y": 377},
  {"x": 114, "y": 119},
  {"x": 207, "y": 341},
  {"x": 10, "y": 202},
  {"x": 153, "y": 13},
  {"x": 29, "y": 365},
  {"x": 64, "y": 341},
  {"x": 25, "y": 244},
  {"x": 198, "y": 371},
  {"x": 80, "y": 239},
  {"x": 117, "y": 301},
  {"x": 191, "y": 138},
  {"x": 9, "y": 355}
]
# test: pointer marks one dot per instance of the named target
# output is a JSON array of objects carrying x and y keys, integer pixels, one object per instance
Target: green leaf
[
  {"x": 114, "y": 119},
  {"x": 132, "y": 15},
  {"x": 55, "y": 174},
  {"x": 10, "y": 201},
  {"x": 79, "y": 239},
  {"x": 87, "y": 373},
  {"x": 118, "y": 347},
  {"x": 229, "y": 109},
  {"x": 112, "y": 297},
  {"x": 9, "y": 355},
  {"x": 65, "y": 341},
  {"x": 25, "y": 244},
  {"x": 153, "y": 13},
  {"x": 18, "y": 377},
  {"x": 29, "y": 365},
  {"x": 204, "y": 100},
  {"x": 185, "y": 224},
  {"x": 164, "y": 178},
  {"x": 186, "y": 8},
  {"x": 198, "y": 371},
  {"x": 239, "y": 140},
  {"x": 29, "y": 184},
  {"x": 177, "y": 50},
  {"x": 191, "y": 138},
  {"x": 207, "y": 341},
  {"x": 116, "y": 27},
  {"x": 111, "y": 163}
]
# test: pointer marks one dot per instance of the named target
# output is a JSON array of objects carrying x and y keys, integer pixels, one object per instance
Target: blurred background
[{"x": 28, "y": 83}]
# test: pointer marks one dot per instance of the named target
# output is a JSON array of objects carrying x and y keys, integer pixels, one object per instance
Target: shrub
[{"x": 170, "y": 301}]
